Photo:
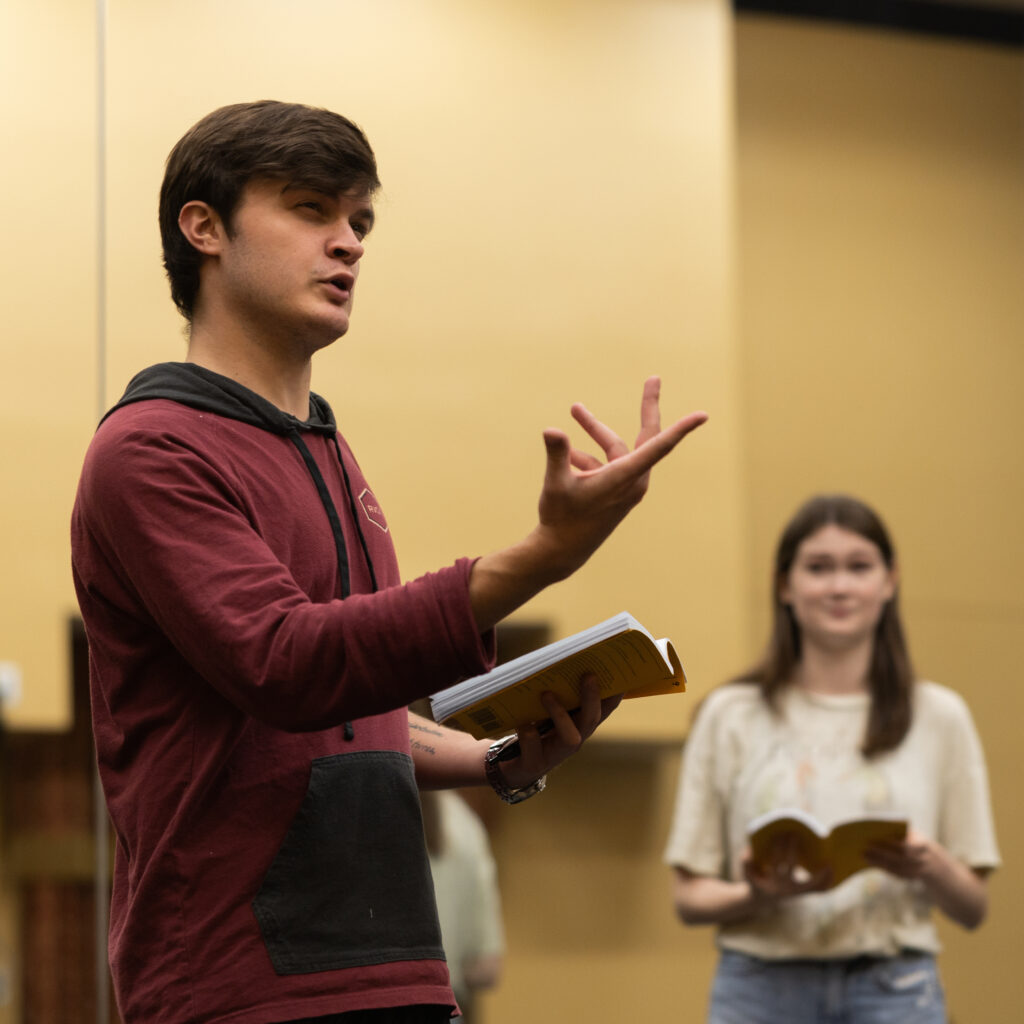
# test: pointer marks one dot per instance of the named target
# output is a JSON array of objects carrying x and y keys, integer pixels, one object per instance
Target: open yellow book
[
  {"x": 620, "y": 652},
  {"x": 841, "y": 847}
]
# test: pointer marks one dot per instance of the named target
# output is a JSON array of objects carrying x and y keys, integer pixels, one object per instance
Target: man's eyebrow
[{"x": 302, "y": 186}]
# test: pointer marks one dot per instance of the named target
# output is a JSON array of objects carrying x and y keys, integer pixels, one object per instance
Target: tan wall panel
[
  {"x": 48, "y": 274},
  {"x": 881, "y": 210},
  {"x": 977, "y": 651}
]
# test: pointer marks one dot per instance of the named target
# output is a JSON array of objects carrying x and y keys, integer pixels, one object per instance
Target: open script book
[
  {"x": 623, "y": 656},
  {"x": 842, "y": 848}
]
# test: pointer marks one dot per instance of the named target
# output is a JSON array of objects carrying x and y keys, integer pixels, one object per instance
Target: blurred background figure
[
  {"x": 832, "y": 722},
  {"x": 468, "y": 900}
]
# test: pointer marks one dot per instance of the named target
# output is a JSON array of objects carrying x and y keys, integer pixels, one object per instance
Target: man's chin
[{"x": 331, "y": 331}]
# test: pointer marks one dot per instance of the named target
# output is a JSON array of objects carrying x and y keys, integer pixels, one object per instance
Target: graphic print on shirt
[{"x": 374, "y": 513}]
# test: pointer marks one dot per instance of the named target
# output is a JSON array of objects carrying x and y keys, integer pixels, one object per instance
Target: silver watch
[{"x": 504, "y": 750}]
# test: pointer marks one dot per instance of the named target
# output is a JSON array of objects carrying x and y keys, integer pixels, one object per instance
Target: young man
[{"x": 253, "y": 648}]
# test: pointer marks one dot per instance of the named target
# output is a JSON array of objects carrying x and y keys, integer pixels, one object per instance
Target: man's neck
[{"x": 284, "y": 382}]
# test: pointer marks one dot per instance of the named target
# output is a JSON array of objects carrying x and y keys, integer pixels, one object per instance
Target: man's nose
[{"x": 345, "y": 245}]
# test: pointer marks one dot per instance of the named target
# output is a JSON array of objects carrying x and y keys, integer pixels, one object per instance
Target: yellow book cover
[
  {"x": 841, "y": 847},
  {"x": 620, "y": 652}
]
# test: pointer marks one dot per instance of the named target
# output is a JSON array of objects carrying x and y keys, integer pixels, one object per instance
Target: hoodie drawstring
[{"x": 332, "y": 515}]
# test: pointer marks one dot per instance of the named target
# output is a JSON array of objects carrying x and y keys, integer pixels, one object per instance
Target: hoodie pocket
[{"x": 350, "y": 885}]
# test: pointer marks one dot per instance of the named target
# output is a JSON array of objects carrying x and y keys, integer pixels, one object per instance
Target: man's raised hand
[{"x": 582, "y": 500}]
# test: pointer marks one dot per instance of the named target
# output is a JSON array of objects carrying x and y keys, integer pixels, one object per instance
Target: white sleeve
[
  {"x": 966, "y": 826},
  {"x": 697, "y": 836}
]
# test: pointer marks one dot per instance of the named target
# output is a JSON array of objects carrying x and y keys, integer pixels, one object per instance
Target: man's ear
[{"x": 202, "y": 226}]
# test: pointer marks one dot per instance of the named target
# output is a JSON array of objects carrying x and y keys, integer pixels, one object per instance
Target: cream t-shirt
[
  {"x": 466, "y": 887},
  {"x": 742, "y": 759}
]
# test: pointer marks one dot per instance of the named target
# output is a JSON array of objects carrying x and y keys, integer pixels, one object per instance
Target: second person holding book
[{"x": 834, "y": 723}]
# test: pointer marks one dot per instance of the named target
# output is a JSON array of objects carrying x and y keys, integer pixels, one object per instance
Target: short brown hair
[{"x": 219, "y": 155}]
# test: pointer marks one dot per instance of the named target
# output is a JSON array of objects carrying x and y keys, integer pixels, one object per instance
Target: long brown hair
[{"x": 891, "y": 674}]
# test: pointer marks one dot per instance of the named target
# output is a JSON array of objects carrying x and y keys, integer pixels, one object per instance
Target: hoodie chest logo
[{"x": 372, "y": 510}]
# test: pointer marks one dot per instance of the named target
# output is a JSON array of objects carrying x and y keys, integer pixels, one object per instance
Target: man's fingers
[
  {"x": 571, "y": 728},
  {"x": 611, "y": 444},
  {"x": 650, "y": 421},
  {"x": 590, "y": 713},
  {"x": 609, "y": 704},
  {"x": 650, "y": 410},
  {"x": 565, "y": 732},
  {"x": 584, "y": 460},
  {"x": 656, "y": 445},
  {"x": 654, "y": 449},
  {"x": 635, "y": 464},
  {"x": 559, "y": 451}
]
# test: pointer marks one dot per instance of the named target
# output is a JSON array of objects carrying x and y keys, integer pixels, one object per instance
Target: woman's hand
[
  {"x": 782, "y": 875},
  {"x": 961, "y": 892},
  {"x": 914, "y": 857}
]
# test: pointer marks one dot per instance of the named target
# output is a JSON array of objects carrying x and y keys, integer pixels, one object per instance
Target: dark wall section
[{"x": 989, "y": 23}]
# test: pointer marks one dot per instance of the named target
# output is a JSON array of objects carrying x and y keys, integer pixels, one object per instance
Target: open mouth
[{"x": 340, "y": 286}]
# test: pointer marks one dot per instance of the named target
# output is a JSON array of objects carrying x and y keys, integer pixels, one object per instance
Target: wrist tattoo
[{"x": 424, "y": 727}]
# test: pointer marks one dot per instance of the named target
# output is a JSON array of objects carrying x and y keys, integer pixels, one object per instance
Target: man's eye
[{"x": 312, "y": 204}]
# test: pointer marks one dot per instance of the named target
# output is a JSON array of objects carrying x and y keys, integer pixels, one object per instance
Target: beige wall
[
  {"x": 572, "y": 191},
  {"x": 881, "y": 213},
  {"x": 48, "y": 281}
]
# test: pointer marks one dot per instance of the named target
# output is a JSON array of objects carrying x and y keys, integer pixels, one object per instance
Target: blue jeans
[{"x": 867, "y": 990}]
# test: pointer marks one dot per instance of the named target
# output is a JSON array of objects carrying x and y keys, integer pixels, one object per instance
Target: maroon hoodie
[{"x": 252, "y": 652}]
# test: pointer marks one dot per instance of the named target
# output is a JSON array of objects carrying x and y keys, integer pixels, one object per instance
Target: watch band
[{"x": 504, "y": 750}]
